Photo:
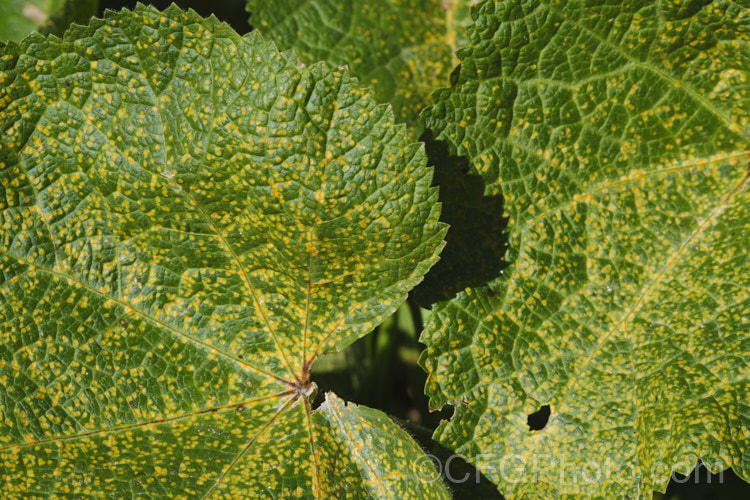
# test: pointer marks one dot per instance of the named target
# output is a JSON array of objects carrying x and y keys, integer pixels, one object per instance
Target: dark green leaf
[{"x": 403, "y": 49}]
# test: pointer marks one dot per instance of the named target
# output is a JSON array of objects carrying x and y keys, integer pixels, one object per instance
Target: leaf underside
[
  {"x": 402, "y": 49},
  {"x": 618, "y": 135},
  {"x": 187, "y": 219}
]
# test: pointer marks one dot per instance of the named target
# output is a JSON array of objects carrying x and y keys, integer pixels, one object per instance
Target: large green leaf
[
  {"x": 20, "y": 17},
  {"x": 403, "y": 49},
  {"x": 618, "y": 135},
  {"x": 187, "y": 219}
]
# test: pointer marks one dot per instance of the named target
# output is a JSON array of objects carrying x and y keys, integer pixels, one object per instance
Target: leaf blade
[
  {"x": 622, "y": 158},
  {"x": 188, "y": 218}
]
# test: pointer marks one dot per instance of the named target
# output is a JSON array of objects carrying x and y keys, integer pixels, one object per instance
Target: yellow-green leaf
[
  {"x": 188, "y": 218},
  {"x": 618, "y": 135}
]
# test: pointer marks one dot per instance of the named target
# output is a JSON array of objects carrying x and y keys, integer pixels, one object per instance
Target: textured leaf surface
[
  {"x": 187, "y": 219},
  {"x": 618, "y": 135},
  {"x": 403, "y": 49},
  {"x": 389, "y": 462},
  {"x": 18, "y": 18}
]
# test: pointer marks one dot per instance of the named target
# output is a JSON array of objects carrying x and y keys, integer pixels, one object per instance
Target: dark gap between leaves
[{"x": 231, "y": 12}]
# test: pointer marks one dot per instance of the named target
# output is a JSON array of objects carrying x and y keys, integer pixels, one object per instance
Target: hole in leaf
[{"x": 538, "y": 420}]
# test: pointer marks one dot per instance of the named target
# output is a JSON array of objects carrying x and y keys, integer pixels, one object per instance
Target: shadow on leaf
[{"x": 476, "y": 241}]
